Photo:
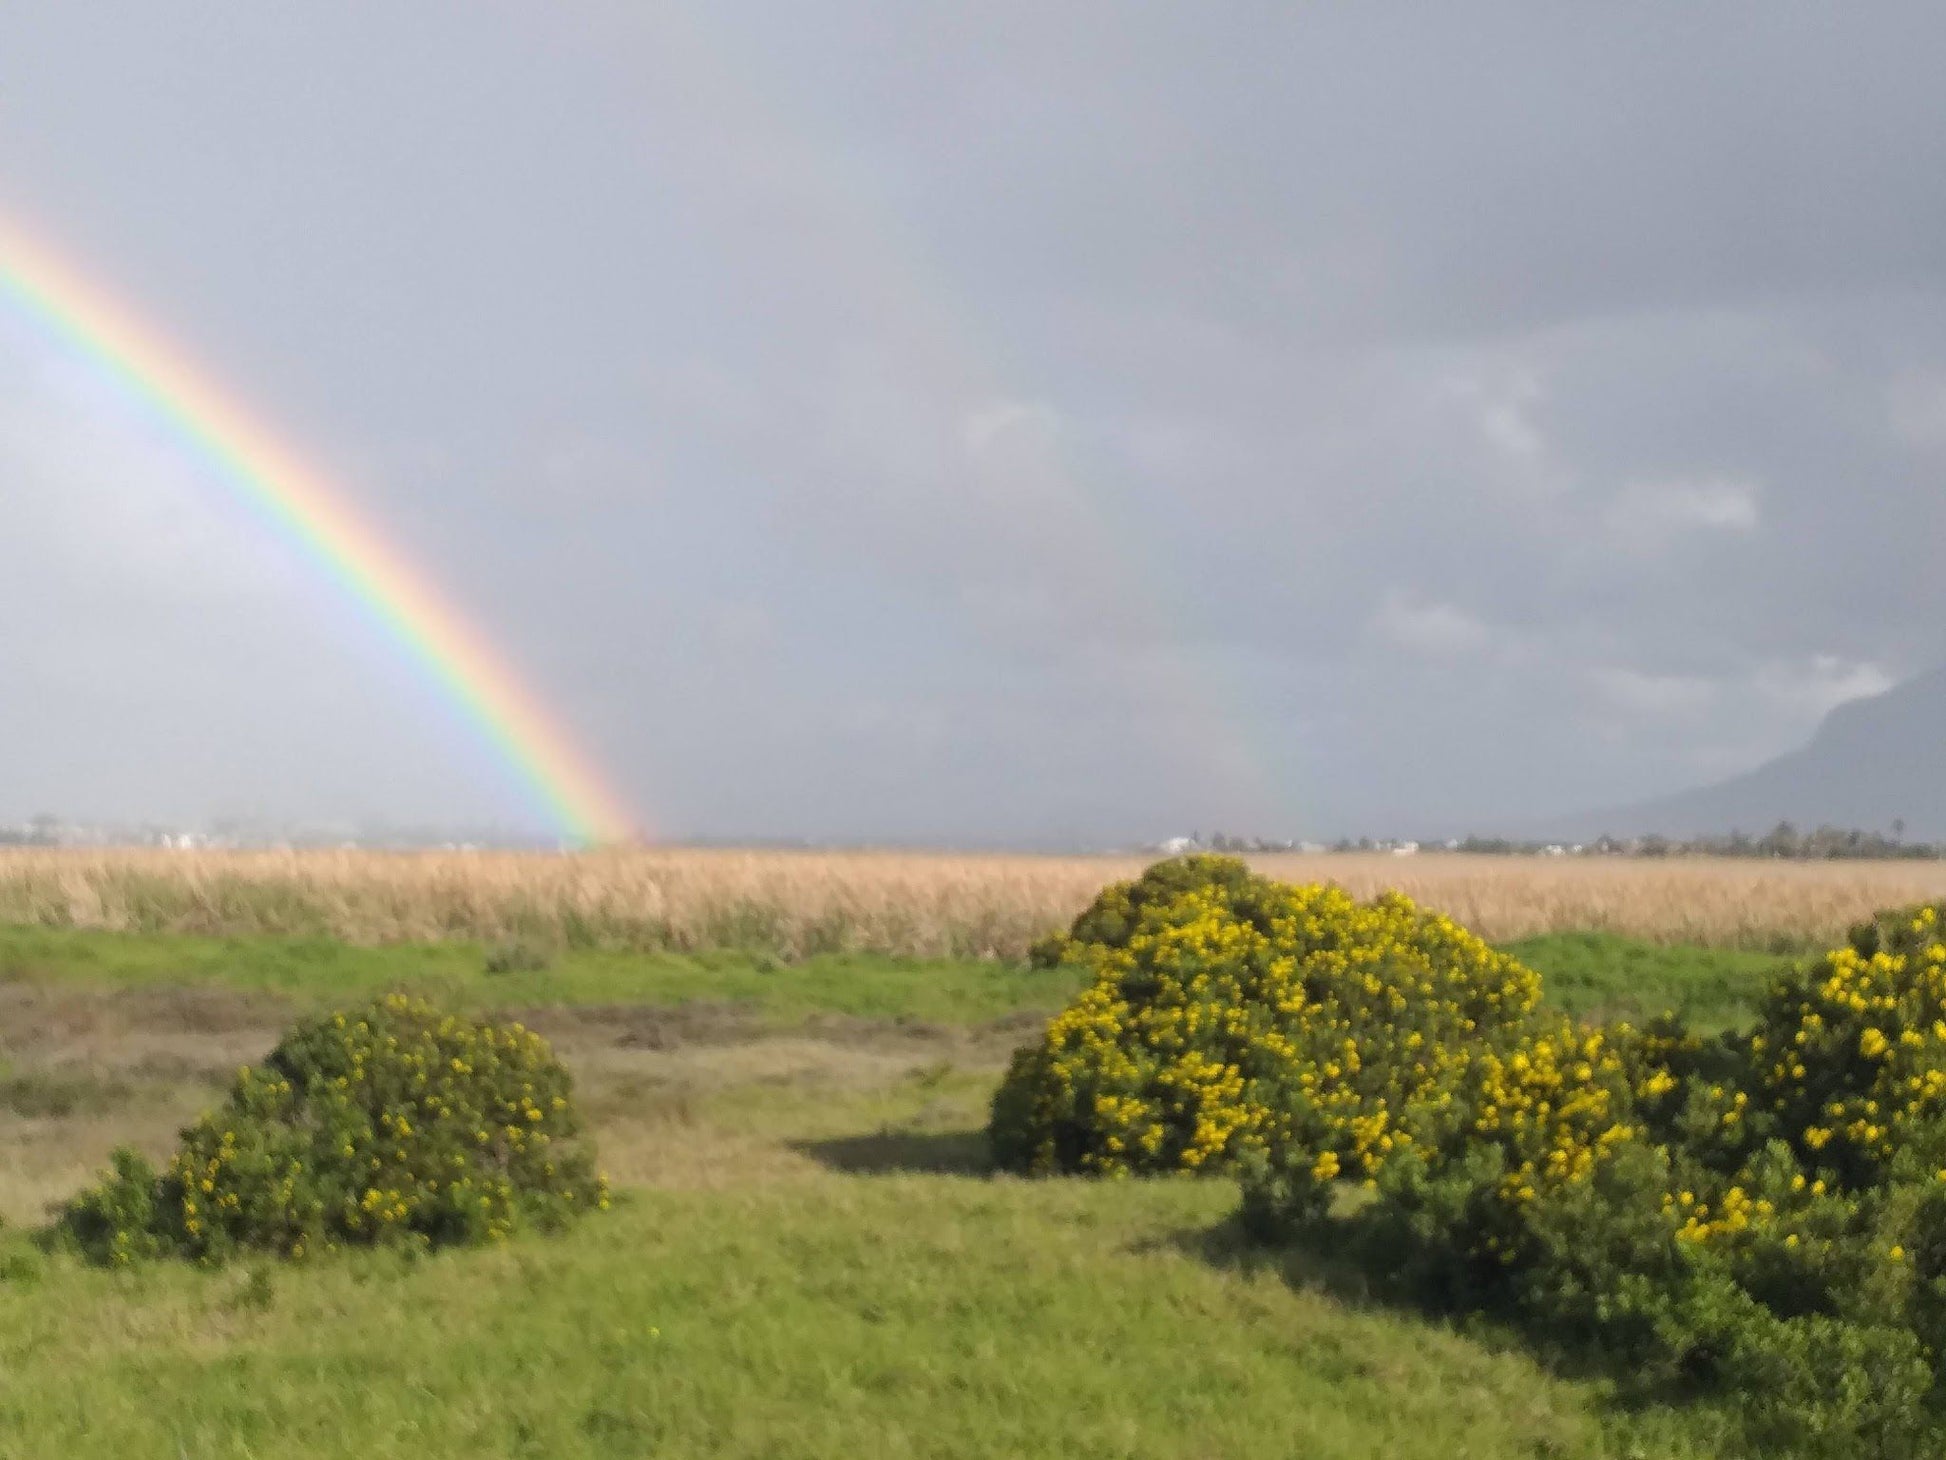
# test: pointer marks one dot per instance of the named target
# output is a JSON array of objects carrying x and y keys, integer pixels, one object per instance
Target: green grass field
[
  {"x": 311, "y": 970},
  {"x": 1587, "y": 974},
  {"x": 1604, "y": 976},
  {"x": 810, "y": 1258}
]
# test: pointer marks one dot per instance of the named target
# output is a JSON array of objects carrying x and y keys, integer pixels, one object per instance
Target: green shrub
[
  {"x": 391, "y": 1123},
  {"x": 1806, "y": 1311},
  {"x": 1763, "y": 1219},
  {"x": 1849, "y": 1054},
  {"x": 1231, "y": 1017},
  {"x": 1757, "y": 1219}
]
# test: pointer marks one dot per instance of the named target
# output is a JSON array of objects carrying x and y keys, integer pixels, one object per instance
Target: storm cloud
[{"x": 987, "y": 423}]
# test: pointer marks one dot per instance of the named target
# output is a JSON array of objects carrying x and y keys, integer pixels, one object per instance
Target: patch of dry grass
[
  {"x": 901, "y": 903},
  {"x": 905, "y": 904}
]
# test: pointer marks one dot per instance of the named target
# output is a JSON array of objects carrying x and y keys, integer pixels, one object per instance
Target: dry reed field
[{"x": 908, "y": 904}]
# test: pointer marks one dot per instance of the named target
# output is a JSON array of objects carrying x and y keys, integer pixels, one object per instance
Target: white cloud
[
  {"x": 1644, "y": 695},
  {"x": 1790, "y": 694},
  {"x": 1656, "y": 511},
  {"x": 1437, "y": 630},
  {"x": 1499, "y": 399},
  {"x": 987, "y": 423},
  {"x": 1507, "y": 426},
  {"x": 1816, "y": 686}
]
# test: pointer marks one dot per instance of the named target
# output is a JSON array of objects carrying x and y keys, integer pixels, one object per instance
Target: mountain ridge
[{"x": 1873, "y": 762}]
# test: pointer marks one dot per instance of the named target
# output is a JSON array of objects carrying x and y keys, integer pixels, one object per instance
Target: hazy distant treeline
[{"x": 1825, "y": 844}]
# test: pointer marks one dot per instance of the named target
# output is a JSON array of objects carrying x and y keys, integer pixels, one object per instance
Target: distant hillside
[{"x": 1873, "y": 762}]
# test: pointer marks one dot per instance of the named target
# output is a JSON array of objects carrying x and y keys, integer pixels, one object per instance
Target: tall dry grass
[{"x": 916, "y": 904}]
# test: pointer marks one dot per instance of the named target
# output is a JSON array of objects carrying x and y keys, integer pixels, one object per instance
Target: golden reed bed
[{"x": 910, "y": 903}]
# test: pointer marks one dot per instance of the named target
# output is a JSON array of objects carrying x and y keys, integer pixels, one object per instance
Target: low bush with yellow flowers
[
  {"x": 1230, "y": 1016},
  {"x": 1758, "y": 1217},
  {"x": 394, "y": 1123},
  {"x": 1850, "y": 1056},
  {"x": 1764, "y": 1219}
]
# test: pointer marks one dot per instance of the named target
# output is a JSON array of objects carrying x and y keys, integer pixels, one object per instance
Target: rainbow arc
[{"x": 305, "y": 509}]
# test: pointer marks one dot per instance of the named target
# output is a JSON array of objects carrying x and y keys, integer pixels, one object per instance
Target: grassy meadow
[{"x": 809, "y": 1256}]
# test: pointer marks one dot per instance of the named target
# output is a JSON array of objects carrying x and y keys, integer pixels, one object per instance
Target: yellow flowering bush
[
  {"x": 1231, "y": 1018},
  {"x": 1760, "y": 1216},
  {"x": 393, "y": 1123},
  {"x": 1850, "y": 1054}
]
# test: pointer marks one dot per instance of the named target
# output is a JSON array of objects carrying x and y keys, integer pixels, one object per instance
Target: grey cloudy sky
[{"x": 989, "y": 422}]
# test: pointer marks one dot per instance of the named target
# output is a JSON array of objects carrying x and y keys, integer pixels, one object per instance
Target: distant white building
[{"x": 1177, "y": 845}]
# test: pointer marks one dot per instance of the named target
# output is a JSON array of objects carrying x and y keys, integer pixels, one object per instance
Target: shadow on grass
[
  {"x": 1370, "y": 1285},
  {"x": 896, "y": 1152},
  {"x": 1230, "y": 1246}
]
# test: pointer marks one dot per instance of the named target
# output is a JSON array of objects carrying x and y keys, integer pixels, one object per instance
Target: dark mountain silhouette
[{"x": 1872, "y": 763}]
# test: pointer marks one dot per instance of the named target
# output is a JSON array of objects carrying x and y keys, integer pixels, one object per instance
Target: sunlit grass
[
  {"x": 1587, "y": 974},
  {"x": 1604, "y": 976},
  {"x": 811, "y": 1260},
  {"x": 794, "y": 1310},
  {"x": 862, "y": 985}
]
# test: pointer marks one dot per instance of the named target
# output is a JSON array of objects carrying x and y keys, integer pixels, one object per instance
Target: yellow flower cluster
[
  {"x": 1851, "y": 1055},
  {"x": 1558, "y": 1103},
  {"x": 1735, "y": 1212},
  {"x": 1846, "y": 1063},
  {"x": 1228, "y": 1015}
]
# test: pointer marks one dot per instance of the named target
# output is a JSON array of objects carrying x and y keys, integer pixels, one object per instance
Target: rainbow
[{"x": 304, "y": 509}]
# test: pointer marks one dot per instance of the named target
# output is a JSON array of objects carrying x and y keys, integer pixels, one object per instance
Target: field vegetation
[
  {"x": 809, "y": 1250},
  {"x": 808, "y": 1253},
  {"x": 901, "y": 904},
  {"x": 1756, "y": 1221}
]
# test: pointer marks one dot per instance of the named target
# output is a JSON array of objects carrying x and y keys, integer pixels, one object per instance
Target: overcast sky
[{"x": 986, "y": 422}]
